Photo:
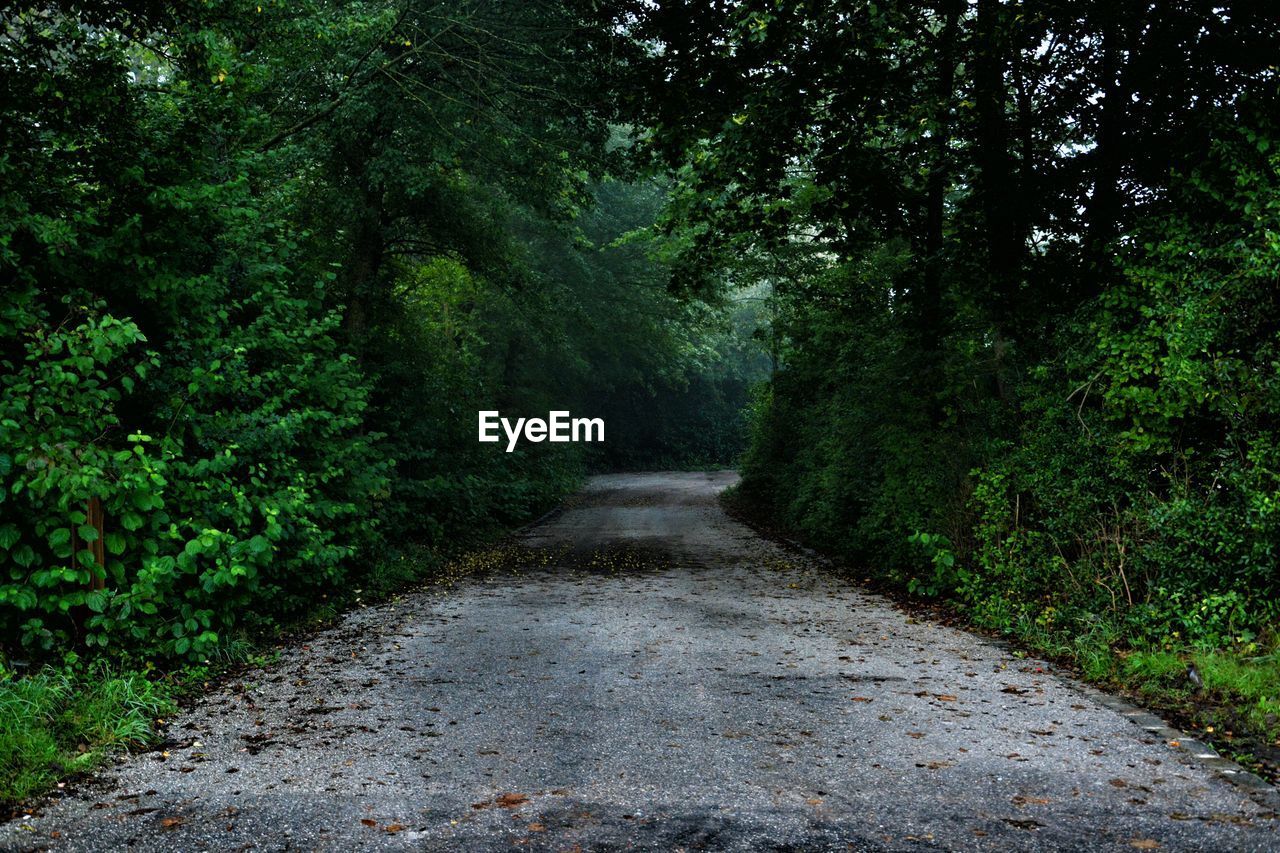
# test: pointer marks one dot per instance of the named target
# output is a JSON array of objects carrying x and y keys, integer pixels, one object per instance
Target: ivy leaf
[
  {"x": 88, "y": 532},
  {"x": 9, "y": 535}
]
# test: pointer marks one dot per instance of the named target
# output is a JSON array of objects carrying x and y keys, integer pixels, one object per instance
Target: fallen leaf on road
[
  {"x": 1118, "y": 783},
  {"x": 1020, "y": 801},
  {"x": 1144, "y": 844},
  {"x": 916, "y": 735},
  {"x": 537, "y": 827},
  {"x": 511, "y": 801},
  {"x": 814, "y": 801},
  {"x": 944, "y": 697},
  {"x": 859, "y": 699},
  {"x": 368, "y": 822},
  {"x": 171, "y": 822},
  {"x": 394, "y": 828}
]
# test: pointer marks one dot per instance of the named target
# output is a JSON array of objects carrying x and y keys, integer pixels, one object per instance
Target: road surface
[{"x": 654, "y": 675}]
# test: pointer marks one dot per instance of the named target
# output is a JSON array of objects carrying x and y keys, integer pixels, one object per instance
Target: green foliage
[
  {"x": 190, "y": 384},
  {"x": 54, "y": 724},
  {"x": 844, "y": 449},
  {"x": 1163, "y": 412},
  {"x": 263, "y": 265},
  {"x": 947, "y": 575},
  {"x": 1133, "y": 495},
  {"x": 1025, "y": 345}
]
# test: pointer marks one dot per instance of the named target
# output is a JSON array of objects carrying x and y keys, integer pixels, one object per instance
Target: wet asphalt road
[{"x": 655, "y": 677}]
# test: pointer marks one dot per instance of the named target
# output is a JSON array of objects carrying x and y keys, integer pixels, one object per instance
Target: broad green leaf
[
  {"x": 24, "y": 556},
  {"x": 115, "y": 542}
]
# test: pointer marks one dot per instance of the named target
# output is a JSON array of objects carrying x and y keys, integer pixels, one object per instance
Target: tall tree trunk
[
  {"x": 369, "y": 231},
  {"x": 929, "y": 300},
  {"x": 997, "y": 185},
  {"x": 1103, "y": 210},
  {"x": 365, "y": 267},
  {"x": 1123, "y": 28}
]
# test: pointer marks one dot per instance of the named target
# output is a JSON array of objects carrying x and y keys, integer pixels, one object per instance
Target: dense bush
[
  {"x": 1145, "y": 472},
  {"x": 1133, "y": 491},
  {"x": 169, "y": 367},
  {"x": 262, "y": 264}
]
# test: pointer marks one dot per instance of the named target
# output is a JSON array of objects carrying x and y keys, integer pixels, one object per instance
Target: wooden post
[{"x": 95, "y": 518}]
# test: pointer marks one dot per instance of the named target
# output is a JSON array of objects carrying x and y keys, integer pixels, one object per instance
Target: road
[{"x": 653, "y": 675}]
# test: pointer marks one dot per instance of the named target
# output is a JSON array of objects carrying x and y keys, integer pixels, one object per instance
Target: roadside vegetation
[
  {"x": 55, "y": 725},
  {"x": 261, "y": 263},
  {"x": 1024, "y": 270}
]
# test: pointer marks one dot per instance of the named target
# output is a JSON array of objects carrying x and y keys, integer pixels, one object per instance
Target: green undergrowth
[
  {"x": 1240, "y": 700},
  {"x": 56, "y": 724},
  {"x": 1236, "y": 706}
]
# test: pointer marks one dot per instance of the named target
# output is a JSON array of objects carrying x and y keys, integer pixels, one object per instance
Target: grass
[
  {"x": 1241, "y": 695},
  {"x": 55, "y": 724},
  {"x": 1237, "y": 709}
]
